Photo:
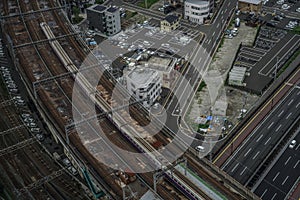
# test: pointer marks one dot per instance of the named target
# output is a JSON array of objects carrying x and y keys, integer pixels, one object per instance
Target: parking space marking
[
  {"x": 267, "y": 141},
  {"x": 235, "y": 167},
  {"x": 289, "y": 115},
  {"x": 243, "y": 171},
  {"x": 280, "y": 113},
  {"x": 275, "y": 176},
  {"x": 270, "y": 125},
  {"x": 285, "y": 180},
  {"x": 274, "y": 196},
  {"x": 259, "y": 138},
  {"x": 286, "y": 162},
  {"x": 277, "y": 129},
  {"x": 255, "y": 155},
  {"x": 263, "y": 193},
  {"x": 296, "y": 164}
]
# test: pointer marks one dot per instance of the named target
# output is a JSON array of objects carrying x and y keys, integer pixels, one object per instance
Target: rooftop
[
  {"x": 141, "y": 76},
  {"x": 99, "y": 8},
  {"x": 197, "y": 2},
  {"x": 112, "y": 9},
  {"x": 171, "y": 18}
]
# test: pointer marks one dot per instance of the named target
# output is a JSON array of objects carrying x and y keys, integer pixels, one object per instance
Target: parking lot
[
  {"x": 271, "y": 50},
  {"x": 288, "y": 5}
]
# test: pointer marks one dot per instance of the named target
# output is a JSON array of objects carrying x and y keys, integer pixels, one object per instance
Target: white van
[{"x": 200, "y": 148}]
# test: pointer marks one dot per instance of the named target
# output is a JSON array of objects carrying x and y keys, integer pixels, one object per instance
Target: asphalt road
[
  {"x": 283, "y": 175},
  {"x": 262, "y": 140}
]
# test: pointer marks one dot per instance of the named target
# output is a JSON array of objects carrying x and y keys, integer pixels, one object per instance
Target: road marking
[
  {"x": 268, "y": 140},
  {"x": 297, "y": 105},
  {"x": 255, "y": 155},
  {"x": 209, "y": 41},
  {"x": 278, "y": 127},
  {"x": 247, "y": 152},
  {"x": 297, "y": 147},
  {"x": 259, "y": 138},
  {"x": 235, "y": 167},
  {"x": 213, "y": 33},
  {"x": 280, "y": 113},
  {"x": 289, "y": 115},
  {"x": 226, "y": 10},
  {"x": 291, "y": 101},
  {"x": 298, "y": 93},
  {"x": 270, "y": 125},
  {"x": 243, "y": 171},
  {"x": 296, "y": 164},
  {"x": 275, "y": 176},
  {"x": 218, "y": 25},
  {"x": 286, "y": 162},
  {"x": 263, "y": 193},
  {"x": 274, "y": 196},
  {"x": 285, "y": 180}
]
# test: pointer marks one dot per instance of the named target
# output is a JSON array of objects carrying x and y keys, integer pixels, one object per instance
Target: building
[
  {"x": 176, "y": 2},
  {"x": 104, "y": 19},
  {"x": 250, "y": 5},
  {"x": 237, "y": 76},
  {"x": 144, "y": 84},
  {"x": 197, "y": 11},
  {"x": 164, "y": 67},
  {"x": 169, "y": 23}
]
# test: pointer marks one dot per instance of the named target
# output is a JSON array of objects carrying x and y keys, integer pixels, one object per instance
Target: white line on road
[
  {"x": 247, "y": 152},
  {"x": 226, "y": 10},
  {"x": 286, "y": 162},
  {"x": 297, "y": 105},
  {"x": 275, "y": 176},
  {"x": 235, "y": 167},
  {"x": 268, "y": 140},
  {"x": 277, "y": 129},
  {"x": 243, "y": 171},
  {"x": 218, "y": 25},
  {"x": 259, "y": 138},
  {"x": 291, "y": 101},
  {"x": 214, "y": 33},
  {"x": 280, "y": 113},
  {"x": 255, "y": 155},
  {"x": 270, "y": 125},
  {"x": 274, "y": 196},
  {"x": 263, "y": 193},
  {"x": 289, "y": 115},
  {"x": 296, "y": 164},
  {"x": 297, "y": 147},
  {"x": 285, "y": 180}
]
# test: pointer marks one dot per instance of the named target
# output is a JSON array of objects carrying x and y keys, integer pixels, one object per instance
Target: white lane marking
[
  {"x": 296, "y": 164},
  {"x": 280, "y": 113},
  {"x": 255, "y": 155},
  {"x": 277, "y": 129},
  {"x": 243, "y": 171},
  {"x": 259, "y": 138},
  {"x": 286, "y": 162},
  {"x": 270, "y": 125},
  {"x": 235, "y": 167},
  {"x": 297, "y": 105},
  {"x": 289, "y": 115},
  {"x": 275, "y": 176},
  {"x": 268, "y": 140},
  {"x": 263, "y": 193},
  {"x": 214, "y": 33},
  {"x": 285, "y": 180},
  {"x": 209, "y": 41},
  {"x": 297, "y": 147},
  {"x": 298, "y": 93},
  {"x": 218, "y": 25},
  {"x": 229, "y": 3},
  {"x": 274, "y": 196},
  {"x": 226, "y": 10},
  {"x": 247, "y": 152},
  {"x": 291, "y": 101}
]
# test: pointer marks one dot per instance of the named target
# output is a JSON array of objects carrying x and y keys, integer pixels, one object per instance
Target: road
[
  {"x": 283, "y": 175},
  {"x": 264, "y": 138}
]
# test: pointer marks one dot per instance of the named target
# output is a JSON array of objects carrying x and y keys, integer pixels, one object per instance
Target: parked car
[
  {"x": 200, "y": 148},
  {"x": 292, "y": 144},
  {"x": 66, "y": 162},
  {"x": 73, "y": 170},
  {"x": 40, "y": 137}
]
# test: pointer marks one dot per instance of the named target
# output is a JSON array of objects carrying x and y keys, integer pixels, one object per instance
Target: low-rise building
[
  {"x": 237, "y": 76},
  {"x": 197, "y": 10},
  {"x": 250, "y": 5},
  {"x": 104, "y": 19},
  {"x": 144, "y": 84},
  {"x": 170, "y": 23}
]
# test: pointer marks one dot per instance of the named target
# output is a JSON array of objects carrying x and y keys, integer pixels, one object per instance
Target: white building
[
  {"x": 197, "y": 10},
  {"x": 145, "y": 84}
]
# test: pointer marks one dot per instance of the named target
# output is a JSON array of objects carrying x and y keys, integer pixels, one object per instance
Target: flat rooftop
[{"x": 141, "y": 76}]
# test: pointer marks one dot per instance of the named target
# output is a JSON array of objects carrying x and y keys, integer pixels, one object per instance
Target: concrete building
[
  {"x": 169, "y": 23},
  {"x": 237, "y": 76},
  {"x": 250, "y": 5},
  {"x": 176, "y": 2},
  {"x": 164, "y": 67},
  {"x": 144, "y": 84},
  {"x": 104, "y": 19},
  {"x": 197, "y": 10}
]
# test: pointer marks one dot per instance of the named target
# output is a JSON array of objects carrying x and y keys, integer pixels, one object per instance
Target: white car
[
  {"x": 292, "y": 144},
  {"x": 280, "y": 2},
  {"x": 200, "y": 148},
  {"x": 298, "y": 9},
  {"x": 285, "y": 6}
]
